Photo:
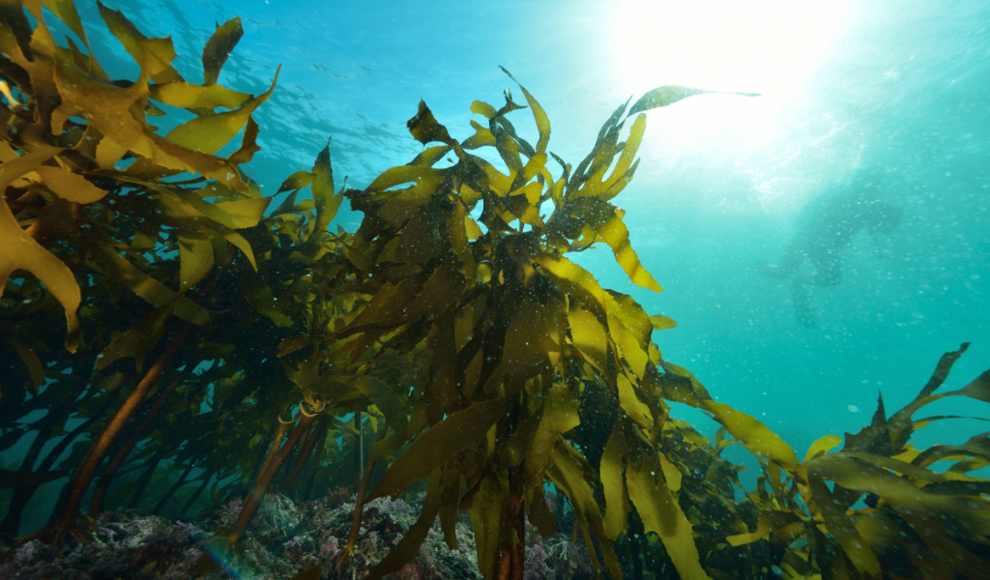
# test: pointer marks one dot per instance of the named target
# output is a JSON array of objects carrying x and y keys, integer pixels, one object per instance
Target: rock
[{"x": 283, "y": 539}]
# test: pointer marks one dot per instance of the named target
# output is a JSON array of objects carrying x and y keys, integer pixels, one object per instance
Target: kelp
[
  {"x": 887, "y": 511},
  {"x": 447, "y": 346},
  {"x": 469, "y": 260},
  {"x": 91, "y": 203}
]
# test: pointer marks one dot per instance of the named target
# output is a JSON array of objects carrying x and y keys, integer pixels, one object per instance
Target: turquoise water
[{"x": 896, "y": 87}]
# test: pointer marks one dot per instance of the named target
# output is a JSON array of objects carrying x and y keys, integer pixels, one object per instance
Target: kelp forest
[{"x": 218, "y": 385}]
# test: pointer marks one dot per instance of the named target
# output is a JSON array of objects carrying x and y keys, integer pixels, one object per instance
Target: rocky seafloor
[{"x": 283, "y": 539}]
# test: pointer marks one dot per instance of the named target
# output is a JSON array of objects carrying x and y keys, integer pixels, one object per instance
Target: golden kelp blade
[
  {"x": 20, "y": 252},
  {"x": 327, "y": 200},
  {"x": 425, "y": 128},
  {"x": 658, "y": 508},
  {"x": 297, "y": 180},
  {"x": 195, "y": 256},
  {"x": 118, "y": 114},
  {"x": 822, "y": 445},
  {"x": 137, "y": 341},
  {"x": 219, "y": 47},
  {"x": 617, "y": 506},
  {"x": 69, "y": 186},
  {"x": 595, "y": 185},
  {"x": 567, "y": 473},
  {"x": 661, "y": 322},
  {"x": 209, "y": 133},
  {"x": 153, "y": 54},
  {"x": 35, "y": 369},
  {"x": 190, "y": 96},
  {"x": 539, "y": 115},
  {"x": 762, "y": 529},
  {"x": 458, "y": 432},
  {"x": 605, "y": 219},
  {"x": 64, "y": 10},
  {"x": 756, "y": 436},
  {"x": 154, "y": 292},
  {"x": 670, "y": 94},
  {"x": 560, "y": 415}
]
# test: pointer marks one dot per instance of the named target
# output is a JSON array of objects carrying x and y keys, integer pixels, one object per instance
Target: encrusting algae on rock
[
  {"x": 283, "y": 538},
  {"x": 447, "y": 350}
]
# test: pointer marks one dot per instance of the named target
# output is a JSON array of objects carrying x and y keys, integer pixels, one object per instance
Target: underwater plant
[
  {"x": 890, "y": 509},
  {"x": 468, "y": 263},
  {"x": 92, "y": 209},
  {"x": 447, "y": 347}
]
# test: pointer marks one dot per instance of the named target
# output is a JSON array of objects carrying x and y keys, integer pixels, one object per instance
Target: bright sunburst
[{"x": 766, "y": 46}]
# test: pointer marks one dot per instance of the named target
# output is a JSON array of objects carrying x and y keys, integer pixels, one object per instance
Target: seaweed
[
  {"x": 910, "y": 516},
  {"x": 190, "y": 345},
  {"x": 466, "y": 260}
]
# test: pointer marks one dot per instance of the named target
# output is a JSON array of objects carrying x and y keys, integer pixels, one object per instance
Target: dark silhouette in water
[{"x": 825, "y": 226}]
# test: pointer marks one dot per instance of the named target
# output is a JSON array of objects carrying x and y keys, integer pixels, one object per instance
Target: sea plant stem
[
  {"x": 56, "y": 452},
  {"x": 22, "y": 495},
  {"x": 254, "y": 499},
  {"x": 171, "y": 491},
  {"x": 228, "y": 260},
  {"x": 12, "y": 521},
  {"x": 99, "y": 494},
  {"x": 283, "y": 428},
  {"x": 512, "y": 564},
  {"x": 359, "y": 502},
  {"x": 358, "y": 449},
  {"x": 308, "y": 493},
  {"x": 305, "y": 450},
  {"x": 291, "y": 458},
  {"x": 87, "y": 468},
  {"x": 637, "y": 546},
  {"x": 145, "y": 478},
  {"x": 511, "y": 561},
  {"x": 56, "y": 512},
  {"x": 256, "y": 465},
  {"x": 207, "y": 476}
]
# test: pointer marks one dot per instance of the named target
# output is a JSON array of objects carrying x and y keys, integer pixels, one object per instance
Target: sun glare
[
  {"x": 779, "y": 142},
  {"x": 765, "y": 46}
]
